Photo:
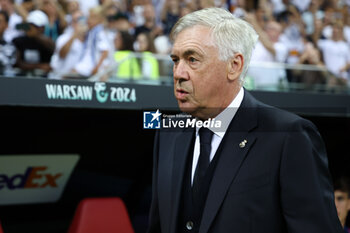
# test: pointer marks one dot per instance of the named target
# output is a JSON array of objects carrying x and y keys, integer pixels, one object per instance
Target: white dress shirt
[{"x": 225, "y": 117}]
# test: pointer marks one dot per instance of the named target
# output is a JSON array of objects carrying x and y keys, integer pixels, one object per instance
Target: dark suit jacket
[{"x": 279, "y": 182}]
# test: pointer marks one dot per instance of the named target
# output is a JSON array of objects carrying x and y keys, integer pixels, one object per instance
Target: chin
[
  {"x": 194, "y": 111},
  {"x": 187, "y": 107}
]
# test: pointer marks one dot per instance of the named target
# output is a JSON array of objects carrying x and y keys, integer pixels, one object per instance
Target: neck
[
  {"x": 342, "y": 222},
  {"x": 205, "y": 114}
]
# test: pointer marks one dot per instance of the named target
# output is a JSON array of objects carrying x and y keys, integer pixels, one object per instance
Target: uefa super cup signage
[{"x": 97, "y": 91}]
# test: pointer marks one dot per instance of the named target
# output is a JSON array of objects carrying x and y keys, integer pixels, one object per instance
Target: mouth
[{"x": 181, "y": 94}]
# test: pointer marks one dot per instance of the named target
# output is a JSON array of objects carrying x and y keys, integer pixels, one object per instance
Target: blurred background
[{"x": 77, "y": 76}]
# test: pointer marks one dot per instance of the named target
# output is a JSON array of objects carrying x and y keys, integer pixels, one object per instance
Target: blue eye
[{"x": 192, "y": 59}]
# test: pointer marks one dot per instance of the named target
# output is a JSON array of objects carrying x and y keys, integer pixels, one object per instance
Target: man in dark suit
[{"x": 263, "y": 170}]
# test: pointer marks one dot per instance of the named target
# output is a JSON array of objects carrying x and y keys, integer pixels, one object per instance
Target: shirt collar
[{"x": 227, "y": 115}]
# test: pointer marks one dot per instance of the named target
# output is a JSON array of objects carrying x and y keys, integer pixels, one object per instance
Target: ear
[{"x": 235, "y": 67}]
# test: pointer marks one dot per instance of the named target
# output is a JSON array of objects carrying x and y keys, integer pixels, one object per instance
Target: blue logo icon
[
  {"x": 101, "y": 93},
  {"x": 151, "y": 120}
]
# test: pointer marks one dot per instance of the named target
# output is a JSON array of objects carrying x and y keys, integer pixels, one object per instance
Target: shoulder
[
  {"x": 15, "y": 19},
  {"x": 22, "y": 41},
  {"x": 323, "y": 42},
  {"x": 102, "y": 37},
  {"x": 62, "y": 39},
  {"x": 282, "y": 120},
  {"x": 272, "y": 118},
  {"x": 19, "y": 39}
]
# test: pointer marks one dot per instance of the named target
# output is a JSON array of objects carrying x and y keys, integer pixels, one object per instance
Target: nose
[{"x": 180, "y": 71}]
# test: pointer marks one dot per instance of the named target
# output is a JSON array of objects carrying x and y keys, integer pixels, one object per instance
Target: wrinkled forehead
[
  {"x": 193, "y": 40},
  {"x": 197, "y": 32}
]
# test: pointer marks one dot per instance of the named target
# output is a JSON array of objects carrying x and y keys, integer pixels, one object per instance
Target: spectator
[
  {"x": 309, "y": 17},
  {"x": 149, "y": 25},
  {"x": 301, "y": 5},
  {"x": 263, "y": 14},
  {"x": 238, "y": 8},
  {"x": 86, "y": 6},
  {"x": 116, "y": 20},
  {"x": 63, "y": 4},
  {"x": 110, "y": 14},
  {"x": 149, "y": 64},
  {"x": 336, "y": 55},
  {"x": 128, "y": 67},
  {"x": 34, "y": 49},
  {"x": 136, "y": 8},
  {"x": 28, "y": 6},
  {"x": 220, "y": 3},
  {"x": 7, "y": 50},
  {"x": 11, "y": 32},
  {"x": 57, "y": 20},
  {"x": 97, "y": 47},
  {"x": 120, "y": 22},
  {"x": 158, "y": 7},
  {"x": 267, "y": 49},
  {"x": 311, "y": 55},
  {"x": 293, "y": 35},
  {"x": 331, "y": 16},
  {"x": 342, "y": 200},
  {"x": 185, "y": 10},
  {"x": 72, "y": 6},
  {"x": 163, "y": 47},
  {"x": 69, "y": 47},
  {"x": 278, "y": 6},
  {"x": 205, "y": 4},
  {"x": 170, "y": 14},
  {"x": 310, "y": 78},
  {"x": 347, "y": 29},
  {"x": 109, "y": 11},
  {"x": 110, "y": 6}
]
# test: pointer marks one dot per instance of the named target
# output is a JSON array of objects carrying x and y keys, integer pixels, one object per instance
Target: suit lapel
[
  {"x": 232, "y": 155},
  {"x": 182, "y": 146}
]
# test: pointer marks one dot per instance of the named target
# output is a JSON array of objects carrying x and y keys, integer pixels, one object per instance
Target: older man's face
[{"x": 200, "y": 78}]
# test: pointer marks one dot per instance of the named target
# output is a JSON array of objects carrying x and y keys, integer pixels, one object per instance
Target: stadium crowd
[{"x": 63, "y": 39}]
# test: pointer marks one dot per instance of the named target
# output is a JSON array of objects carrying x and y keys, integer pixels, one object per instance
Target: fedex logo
[{"x": 33, "y": 177}]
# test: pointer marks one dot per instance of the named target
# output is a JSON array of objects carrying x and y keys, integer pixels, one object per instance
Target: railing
[
  {"x": 164, "y": 77},
  {"x": 298, "y": 77},
  {"x": 156, "y": 69},
  {"x": 265, "y": 76}
]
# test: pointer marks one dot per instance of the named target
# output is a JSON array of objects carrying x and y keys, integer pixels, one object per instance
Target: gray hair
[{"x": 231, "y": 34}]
